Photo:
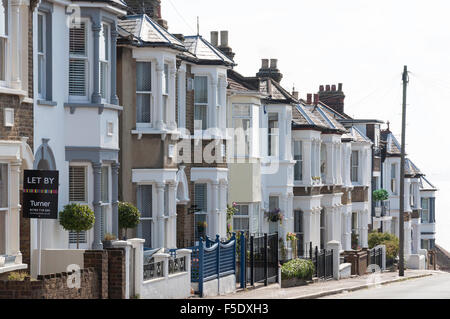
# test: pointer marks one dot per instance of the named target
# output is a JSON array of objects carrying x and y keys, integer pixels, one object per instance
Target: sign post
[{"x": 40, "y": 199}]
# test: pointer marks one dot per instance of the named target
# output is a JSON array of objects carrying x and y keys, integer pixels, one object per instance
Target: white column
[
  {"x": 329, "y": 163},
  {"x": 181, "y": 97},
  {"x": 172, "y": 236},
  {"x": 223, "y": 209},
  {"x": 306, "y": 161},
  {"x": 364, "y": 229},
  {"x": 158, "y": 95},
  {"x": 172, "y": 98},
  {"x": 407, "y": 232},
  {"x": 416, "y": 236},
  {"x": 160, "y": 215},
  {"x": 213, "y": 105},
  {"x": 16, "y": 49},
  {"x": 14, "y": 212},
  {"x": 215, "y": 209},
  {"x": 307, "y": 226}
]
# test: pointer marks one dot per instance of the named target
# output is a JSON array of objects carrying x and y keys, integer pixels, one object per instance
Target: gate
[
  {"x": 323, "y": 263},
  {"x": 374, "y": 257},
  {"x": 258, "y": 259}
]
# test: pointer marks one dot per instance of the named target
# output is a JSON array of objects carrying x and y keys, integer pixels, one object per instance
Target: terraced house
[
  {"x": 16, "y": 129},
  {"x": 173, "y": 135}
]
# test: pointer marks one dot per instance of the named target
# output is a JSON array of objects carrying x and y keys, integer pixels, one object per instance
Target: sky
[{"x": 362, "y": 44}]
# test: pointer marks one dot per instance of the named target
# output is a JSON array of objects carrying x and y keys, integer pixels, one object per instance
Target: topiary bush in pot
[
  {"x": 129, "y": 216},
  {"x": 77, "y": 218}
]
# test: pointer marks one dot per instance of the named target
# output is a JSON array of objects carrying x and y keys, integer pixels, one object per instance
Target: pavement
[{"x": 329, "y": 287}]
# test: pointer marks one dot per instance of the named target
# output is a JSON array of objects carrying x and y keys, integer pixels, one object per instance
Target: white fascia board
[
  {"x": 10, "y": 150},
  {"x": 209, "y": 174},
  {"x": 148, "y": 176}
]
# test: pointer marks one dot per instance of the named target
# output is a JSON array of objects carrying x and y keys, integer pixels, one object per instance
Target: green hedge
[
  {"x": 297, "y": 268},
  {"x": 390, "y": 241}
]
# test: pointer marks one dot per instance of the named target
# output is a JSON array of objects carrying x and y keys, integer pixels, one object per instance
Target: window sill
[
  {"x": 153, "y": 131},
  {"x": 46, "y": 103},
  {"x": 100, "y": 106}
]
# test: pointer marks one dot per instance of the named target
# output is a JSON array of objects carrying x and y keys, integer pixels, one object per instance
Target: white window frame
[
  {"x": 247, "y": 134},
  {"x": 201, "y": 212},
  {"x": 42, "y": 72},
  {"x": 5, "y": 55},
  {"x": 393, "y": 179},
  {"x": 353, "y": 178},
  {"x": 202, "y": 104},
  {"x": 86, "y": 58},
  {"x": 149, "y": 93},
  {"x": 105, "y": 63},
  {"x": 84, "y": 235},
  {"x": 6, "y": 208},
  {"x": 149, "y": 219},
  {"x": 427, "y": 210},
  {"x": 239, "y": 217},
  {"x": 275, "y": 134},
  {"x": 165, "y": 92},
  {"x": 298, "y": 161}
]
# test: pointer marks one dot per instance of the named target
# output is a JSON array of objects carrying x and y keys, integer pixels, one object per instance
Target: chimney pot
[
  {"x": 309, "y": 98},
  {"x": 223, "y": 38},
  {"x": 295, "y": 94},
  {"x": 333, "y": 87},
  {"x": 316, "y": 99},
  {"x": 215, "y": 38},
  {"x": 327, "y": 87},
  {"x": 321, "y": 88},
  {"x": 340, "y": 87},
  {"x": 273, "y": 63},
  {"x": 265, "y": 64}
]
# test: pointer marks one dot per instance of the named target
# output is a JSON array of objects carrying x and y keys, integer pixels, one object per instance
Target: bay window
[
  {"x": 165, "y": 93},
  {"x": 241, "y": 126},
  {"x": 4, "y": 18},
  {"x": 273, "y": 136},
  {"x": 299, "y": 231},
  {"x": 355, "y": 166},
  {"x": 145, "y": 201},
  {"x": 41, "y": 53},
  {"x": 143, "y": 93},
  {"x": 78, "y": 62},
  {"x": 200, "y": 102},
  {"x": 425, "y": 215},
  {"x": 323, "y": 161},
  {"x": 104, "y": 61},
  {"x": 298, "y": 158},
  {"x": 78, "y": 193}
]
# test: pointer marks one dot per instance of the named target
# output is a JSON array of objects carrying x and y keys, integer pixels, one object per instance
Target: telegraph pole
[{"x": 401, "y": 266}]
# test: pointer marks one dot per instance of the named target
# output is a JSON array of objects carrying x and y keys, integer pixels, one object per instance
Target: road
[{"x": 436, "y": 286}]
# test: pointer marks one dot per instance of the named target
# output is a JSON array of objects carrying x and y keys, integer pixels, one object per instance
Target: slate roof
[
  {"x": 205, "y": 52},
  {"x": 425, "y": 184},
  {"x": 392, "y": 145},
  {"x": 146, "y": 32},
  {"x": 324, "y": 117},
  {"x": 411, "y": 169},
  {"x": 358, "y": 136}
]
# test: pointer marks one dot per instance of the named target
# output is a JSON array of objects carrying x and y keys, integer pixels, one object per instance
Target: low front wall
[
  {"x": 358, "y": 259},
  {"x": 52, "y": 287},
  {"x": 225, "y": 285},
  {"x": 56, "y": 260},
  {"x": 176, "y": 286}
]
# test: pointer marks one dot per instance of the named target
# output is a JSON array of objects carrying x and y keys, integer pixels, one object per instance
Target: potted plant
[
  {"x": 296, "y": 272},
  {"x": 355, "y": 245},
  {"x": 379, "y": 195},
  {"x": 129, "y": 216},
  {"x": 108, "y": 240},
  {"x": 231, "y": 210},
  {"x": 77, "y": 218}
]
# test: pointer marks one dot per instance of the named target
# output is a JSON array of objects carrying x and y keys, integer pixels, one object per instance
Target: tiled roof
[
  {"x": 205, "y": 51},
  {"x": 302, "y": 116},
  {"x": 236, "y": 86},
  {"x": 392, "y": 145},
  {"x": 425, "y": 184},
  {"x": 325, "y": 117},
  {"x": 411, "y": 169},
  {"x": 357, "y": 135},
  {"x": 147, "y": 31}
]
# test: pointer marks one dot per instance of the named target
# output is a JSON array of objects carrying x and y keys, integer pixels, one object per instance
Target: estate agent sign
[{"x": 40, "y": 194}]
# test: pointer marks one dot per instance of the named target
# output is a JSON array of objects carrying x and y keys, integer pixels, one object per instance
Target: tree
[
  {"x": 380, "y": 195},
  {"x": 129, "y": 216},
  {"x": 77, "y": 218}
]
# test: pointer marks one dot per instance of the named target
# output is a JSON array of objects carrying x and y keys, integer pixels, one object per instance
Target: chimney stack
[
  {"x": 152, "y": 8},
  {"x": 224, "y": 47},
  {"x": 215, "y": 38},
  {"x": 309, "y": 98},
  {"x": 294, "y": 93},
  {"x": 316, "y": 99},
  {"x": 270, "y": 71},
  {"x": 333, "y": 98}
]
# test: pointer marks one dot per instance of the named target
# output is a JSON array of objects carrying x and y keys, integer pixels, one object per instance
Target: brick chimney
[
  {"x": 152, "y": 8},
  {"x": 224, "y": 47},
  {"x": 270, "y": 71},
  {"x": 332, "y": 97}
]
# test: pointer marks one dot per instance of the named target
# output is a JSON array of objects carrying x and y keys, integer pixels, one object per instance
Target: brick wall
[
  {"x": 98, "y": 260},
  {"x": 116, "y": 273}
]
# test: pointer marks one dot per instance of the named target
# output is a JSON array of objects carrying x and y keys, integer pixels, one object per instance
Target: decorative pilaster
[
  {"x": 115, "y": 198},
  {"x": 97, "y": 244},
  {"x": 14, "y": 213},
  {"x": 16, "y": 51},
  {"x": 172, "y": 228},
  {"x": 172, "y": 101},
  {"x": 307, "y": 226},
  {"x": 215, "y": 210},
  {"x": 96, "y": 28},
  {"x": 159, "y": 98},
  {"x": 181, "y": 98},
  {"x": 160, "y": 215},
  {"x": 114, "y": 34},
  {"x": 223, "y": 208},
  {"x": 213, "y": 106}
]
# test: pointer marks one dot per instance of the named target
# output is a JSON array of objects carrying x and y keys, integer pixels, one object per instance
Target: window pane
[
  {"x": 298, "y": 221},
  {"x": 240, "y": 223},
  {"x": 104, "y": 221},
  {"x": 200, "y": 223},
  {"x": 77, "y": 40},
  {"x": 165, "y": 81},
  {"x": 241, "y": 138},
  {"x": 142, "y": 108},
  {"x": 273, "y": 203},
  {"x": 201, "y": 89},
  {"x": 143, "y": 76},
  {"x": 145, "y": 198},
  {"x": 242, "y": 210},
  {"x": 200, "y": 112},
  {"x": 77, "y": 184},
  {"x": 41, "y": 75},
  {"x": 2, "y": 59},
  {"x": 3, "y": 185},
  {"x": 241, "y": 110},
  {"x": 298, "y": 157},
  {"x": 73, "y": 237},
  {"x": 104, "y": 36},
  {"x": 424, "y": 203},
  {"x": 40, "y": 33},
  {"x": 103, "y": 78},
  {"x": 77, "y": 77},
  {"x": 105, "y": 184},
  {"x": 147, "y": 232},
  {"x": 200, "y": 197}
]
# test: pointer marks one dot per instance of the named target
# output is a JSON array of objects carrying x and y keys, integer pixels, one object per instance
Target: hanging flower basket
[{"x": 275, "y": 216}]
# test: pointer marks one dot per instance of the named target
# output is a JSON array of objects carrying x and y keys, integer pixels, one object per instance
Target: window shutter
[
  {"x": 73, "y": 237},
  {"x": 77, "y": 184},
  {"x": 77, "y": 66},
  {"x": 77, "y": 41}
]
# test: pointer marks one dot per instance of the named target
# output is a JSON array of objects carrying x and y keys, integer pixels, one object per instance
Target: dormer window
[
  {"x": 3, "y": 40},
  {"x": 78, "y": 62}
]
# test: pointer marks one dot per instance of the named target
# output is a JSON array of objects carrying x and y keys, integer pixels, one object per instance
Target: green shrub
[
  {"x": 389, "y": 240},
  {"x": 18, "y": 276},
  {"x": 77, "y": 218},
  {"x": 380, "y": 194},
  {"x": 129, "y": 216},
  {"x": 297, "y": 268}
]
